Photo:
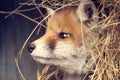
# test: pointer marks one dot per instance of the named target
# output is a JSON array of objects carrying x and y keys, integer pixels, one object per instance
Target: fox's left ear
[{"x": 87, "y": 12}]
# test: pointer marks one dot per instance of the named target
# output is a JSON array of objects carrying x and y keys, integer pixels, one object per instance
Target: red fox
[{"x": 62, "y": 44}]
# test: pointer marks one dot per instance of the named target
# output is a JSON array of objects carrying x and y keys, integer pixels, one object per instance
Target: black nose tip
[{"x": 31, "y": 47}]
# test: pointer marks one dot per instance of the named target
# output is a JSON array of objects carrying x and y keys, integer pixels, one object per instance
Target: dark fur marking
[
  {"x": 52, "y": 45},
  {"x": 74, "y": 56},
  {"x": 88, "y": 10},
  {"x": 88, "y": 58}
]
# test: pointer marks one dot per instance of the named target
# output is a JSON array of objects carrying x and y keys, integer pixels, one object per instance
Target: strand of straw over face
[{"x": 20, "y": 53}]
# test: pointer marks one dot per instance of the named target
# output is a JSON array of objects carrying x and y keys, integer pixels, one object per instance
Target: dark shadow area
[{"x": 14, "y": 30}]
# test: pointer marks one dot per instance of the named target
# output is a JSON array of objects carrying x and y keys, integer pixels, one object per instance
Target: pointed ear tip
[
  {"x": 86, "y": 9},
  {"x": 87, "y": 13},
  {"x": 50, "y": 11}
]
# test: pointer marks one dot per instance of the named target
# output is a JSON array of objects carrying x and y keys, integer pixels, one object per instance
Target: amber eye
[{"x": 63, "y": 35}]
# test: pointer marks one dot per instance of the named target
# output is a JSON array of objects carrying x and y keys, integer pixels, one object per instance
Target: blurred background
[{"x": 14, "y": 30}]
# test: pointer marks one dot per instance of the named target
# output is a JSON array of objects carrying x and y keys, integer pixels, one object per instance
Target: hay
[{"x": 107, "y": 47}]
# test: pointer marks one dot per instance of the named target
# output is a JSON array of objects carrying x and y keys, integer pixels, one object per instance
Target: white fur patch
[{"x": 61, "y": 56}]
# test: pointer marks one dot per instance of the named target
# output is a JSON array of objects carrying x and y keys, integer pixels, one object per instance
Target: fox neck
[
  {"x": 78, "y": 67},
  {"x": 75, "y": 76}
]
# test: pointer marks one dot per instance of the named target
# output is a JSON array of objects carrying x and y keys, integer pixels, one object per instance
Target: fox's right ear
[{"x": 87, "y": 12}]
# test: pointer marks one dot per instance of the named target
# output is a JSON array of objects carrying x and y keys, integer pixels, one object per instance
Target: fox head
[{"x": 62, "y": 44}]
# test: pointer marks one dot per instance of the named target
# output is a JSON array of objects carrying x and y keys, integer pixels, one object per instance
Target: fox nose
[{"x": 31, "y": 47}]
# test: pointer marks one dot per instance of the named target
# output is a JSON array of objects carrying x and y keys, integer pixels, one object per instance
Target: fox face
[{"x": 62, "y": 44}]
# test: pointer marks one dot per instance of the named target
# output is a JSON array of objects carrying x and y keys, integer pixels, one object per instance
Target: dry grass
[{"x": 107, "y": 47}]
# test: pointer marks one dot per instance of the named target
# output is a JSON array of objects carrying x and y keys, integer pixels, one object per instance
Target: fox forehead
[{"x": 64, "y": 20}]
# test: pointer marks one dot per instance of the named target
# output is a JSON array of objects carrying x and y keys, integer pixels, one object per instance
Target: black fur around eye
[{"x": 64, "y": 35}]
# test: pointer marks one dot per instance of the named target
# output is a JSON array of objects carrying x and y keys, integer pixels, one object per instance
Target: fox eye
[{"x": 64, "y": 35}]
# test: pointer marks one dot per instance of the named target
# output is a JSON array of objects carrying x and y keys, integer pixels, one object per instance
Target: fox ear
[
  {"x": 87, "y": 12},
  {"x": 49, "y": 11}
]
